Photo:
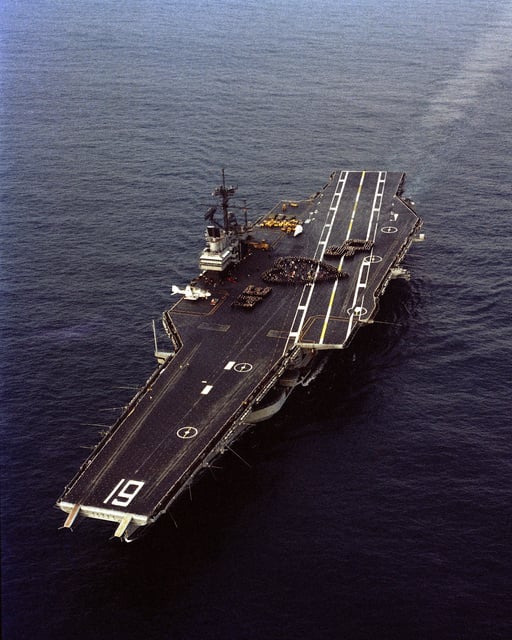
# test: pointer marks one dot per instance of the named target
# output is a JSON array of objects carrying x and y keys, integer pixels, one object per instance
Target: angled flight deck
[{"x": 272, "y": 295}]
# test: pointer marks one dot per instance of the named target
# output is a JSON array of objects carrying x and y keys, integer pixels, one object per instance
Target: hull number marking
[{"x": 124, "y": 492}]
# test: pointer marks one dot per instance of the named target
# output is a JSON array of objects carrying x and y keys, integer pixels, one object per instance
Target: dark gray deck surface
[{"x": 229, "y": 353}]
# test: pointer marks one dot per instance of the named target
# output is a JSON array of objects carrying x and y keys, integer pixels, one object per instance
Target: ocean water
[{"x": 378, "y": 504}]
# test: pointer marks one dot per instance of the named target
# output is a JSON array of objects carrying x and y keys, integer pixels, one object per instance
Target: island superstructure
[{"x": 271, "y": 297}]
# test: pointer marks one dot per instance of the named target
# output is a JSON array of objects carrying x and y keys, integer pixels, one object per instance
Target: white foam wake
[{"x": 491, "y": 55}]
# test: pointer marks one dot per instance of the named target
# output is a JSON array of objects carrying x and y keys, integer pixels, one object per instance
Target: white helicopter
[{"x": 190, "y": 292}]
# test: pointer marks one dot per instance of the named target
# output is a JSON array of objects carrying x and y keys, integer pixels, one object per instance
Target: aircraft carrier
[{"x": 272, "y": 295}]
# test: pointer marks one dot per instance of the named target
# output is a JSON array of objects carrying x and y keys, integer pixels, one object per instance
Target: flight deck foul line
[
  {"x": 319, "y": 254},
  {"x": 340, "y": 265}
]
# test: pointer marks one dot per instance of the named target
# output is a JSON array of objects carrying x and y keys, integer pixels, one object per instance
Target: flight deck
[{"x": 301, "y": 279}]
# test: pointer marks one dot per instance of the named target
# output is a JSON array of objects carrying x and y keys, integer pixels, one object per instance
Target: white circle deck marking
[
  {"x": 357, "y": 311},
  {"x": 185, "y": 433},
  {"x": 243, "y": 367},
  {"x": 370, "y": 259},
  {"x": 389, "y": 229}
]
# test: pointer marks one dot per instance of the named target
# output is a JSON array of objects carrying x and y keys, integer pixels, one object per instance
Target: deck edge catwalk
[{"x": 272, "y": 297}]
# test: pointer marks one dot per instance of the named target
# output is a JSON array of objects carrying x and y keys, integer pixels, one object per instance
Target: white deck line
[
  {"x": 340, "y": 264},
  {"x": 308, "y": 289},
  {"x": 381, "y": 182},
  {"x": 360, "y": 285}
]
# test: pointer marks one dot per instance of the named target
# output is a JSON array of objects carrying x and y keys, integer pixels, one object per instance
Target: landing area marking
[
  {"x": 185, "y": 433},
  {"x": 243, "y": 367},
  {"x": 357, "y": 311}
]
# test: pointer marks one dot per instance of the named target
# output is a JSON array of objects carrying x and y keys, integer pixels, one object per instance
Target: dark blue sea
[{"x": 378, "y": 504}]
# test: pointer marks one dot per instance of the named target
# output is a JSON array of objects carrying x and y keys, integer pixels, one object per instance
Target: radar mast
[{"x": 224, "y": 194}]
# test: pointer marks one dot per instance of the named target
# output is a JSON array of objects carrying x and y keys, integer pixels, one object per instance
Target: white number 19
[{"x": 124, "y": 492}]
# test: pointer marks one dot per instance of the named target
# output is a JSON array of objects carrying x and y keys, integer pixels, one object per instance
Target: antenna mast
[{"x": 224, "y": 193}]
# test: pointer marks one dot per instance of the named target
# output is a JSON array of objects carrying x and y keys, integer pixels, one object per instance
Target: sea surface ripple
[{"x": 378, "y": 503}]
